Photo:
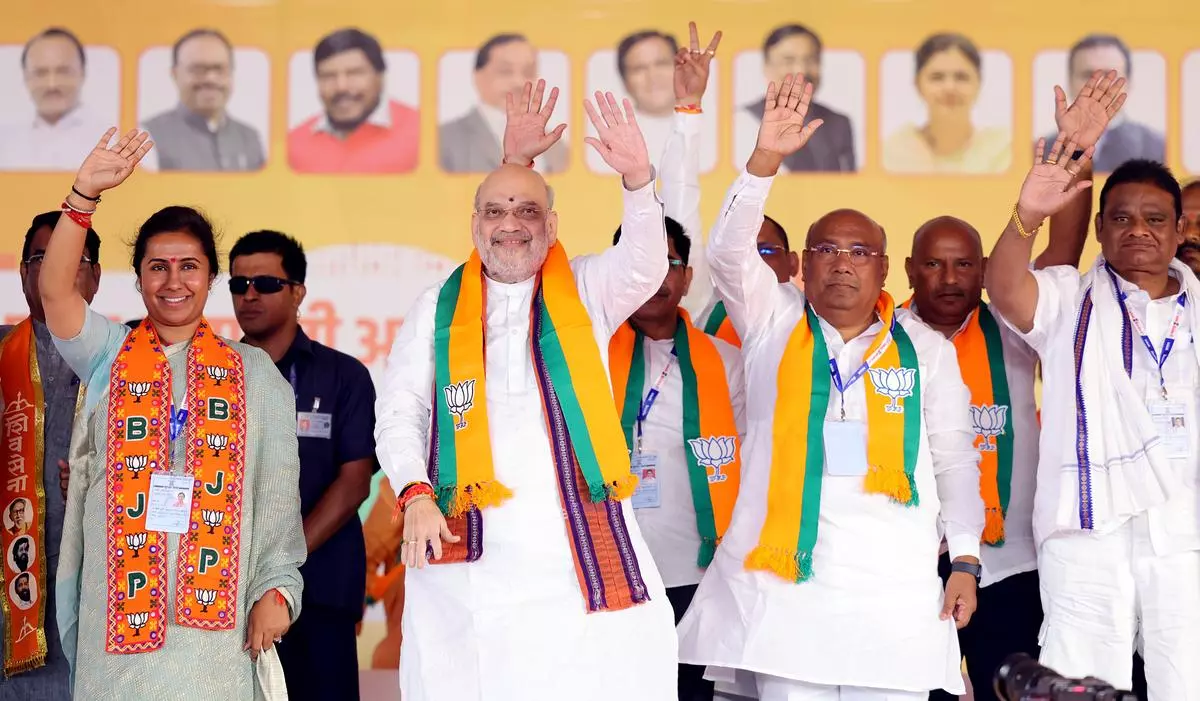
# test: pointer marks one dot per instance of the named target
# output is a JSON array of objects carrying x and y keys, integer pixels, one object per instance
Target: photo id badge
[
  {"x": 310, "y": 424},
  {"x": 170, "y": 508},
  {"x": 645, "y": 466},
  {"x": 845, "y": 448},
  {"x": 1170, "y": 420}
]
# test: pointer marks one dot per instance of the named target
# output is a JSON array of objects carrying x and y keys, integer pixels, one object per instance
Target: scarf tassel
[
  {"x": 616, "y": 490},
  {"x": 993, "y": 530},
  {"x": 457, "y": 500},
  {"x": 893, "y": 482},
  {"x": 789, "y": 564}
]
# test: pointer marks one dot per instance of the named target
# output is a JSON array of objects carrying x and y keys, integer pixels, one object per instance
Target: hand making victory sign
[
  {"x": 692, "y": 67},
  {"x": 525, "y": 135}
]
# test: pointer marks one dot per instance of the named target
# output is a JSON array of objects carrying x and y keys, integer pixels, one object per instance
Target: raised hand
[
  {"x": 783, "y": 131},
  {"x": 621, "y": 144},
  {"x": 692, "y": 67},
  {"x": 105, "y": 168},
  {"x": 1048, "y": 187},
  {"x": 1097, "y": 103},
  {"x": 525, "y": 135}
]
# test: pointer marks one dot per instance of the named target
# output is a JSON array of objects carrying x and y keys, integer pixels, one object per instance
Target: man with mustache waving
[
  {"x": 497, "y": 426},
  {"x": 1115, "y": 513},
  {"x": 946, "y": 273},
  {"x": 858, "y": 457}
]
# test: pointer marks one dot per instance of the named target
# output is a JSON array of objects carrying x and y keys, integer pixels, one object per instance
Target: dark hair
[
  {"x": 295, "y": 264},
  {"x": 1191, "y": 185},
  {"x": 181, "y": 219},
  {"x": 782, "y": 232},
  {"x": 1139, "y": 170},
  {"x": 485, "y": 52},
  {"x": 56, "y": 32},
  {"x": 946, "y": 41},
  {"x": 194, "y": 34},
  {"x": 1187, "y": 246},
  {"x": 630, "y": 41},
  {"x": 677, "y": 235},
  {"x": 1095, "y": 41},
  {"x": 349, "y": 39},
  {"x": 91, "y": 244},
  {"x": 784, "y": 31}
]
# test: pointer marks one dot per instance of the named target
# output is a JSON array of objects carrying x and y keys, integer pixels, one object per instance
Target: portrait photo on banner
[
  {"x": 1139, "y": 128},
  {"x": 23, "y": 591},
  {"x": 206, "y": 104},
  {"x": 353, "y": 106},
  {"x": 18, "y": 516},
  {"x": 472, "y": 85},
  {"x": 1189, "y": 92},
  {"x": 642, "y": 68},
  {"x": 62, "y": 94},
  {"x": 929, "y": 92},
  {"x": 839, "y": 98},
  {"x": 21, "y": 555}
]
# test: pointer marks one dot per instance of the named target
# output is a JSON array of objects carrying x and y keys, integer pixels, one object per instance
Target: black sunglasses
[{"x": 263, "y": 284}]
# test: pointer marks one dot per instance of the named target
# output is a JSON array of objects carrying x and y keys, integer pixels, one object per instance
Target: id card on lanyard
[
  {"x": 309, "y": 424},
  {"x": 643, "y": 464},
  {"x": 846, "y": 441}
]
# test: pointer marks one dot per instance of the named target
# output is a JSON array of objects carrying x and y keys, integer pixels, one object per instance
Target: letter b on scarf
[
  {"x": 218, "y": 409},
  {"x": 135, "y": 428}
]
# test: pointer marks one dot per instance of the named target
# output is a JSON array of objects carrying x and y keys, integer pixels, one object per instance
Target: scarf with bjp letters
[
  {"x": 720, "y": 326},
  {"x": 789, "y": 533},
  {"x": 140, "y": 413},
  {"x": 22, "y": 451},
  {"x": 585, "y": 434},
  {"x": 709, "y": 430},
  {"x": 980, "y": 350}
]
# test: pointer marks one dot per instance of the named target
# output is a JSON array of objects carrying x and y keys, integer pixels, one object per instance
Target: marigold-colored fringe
[
  {"x": 787, "y": 563},
  {"x": 620, "y": 489},
  {"x": 479, "y": 496},
  {"x": 993, "y": 529},
  {"x": 891, "y": 482}
]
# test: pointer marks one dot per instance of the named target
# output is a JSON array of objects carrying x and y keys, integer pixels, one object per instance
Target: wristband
[
  {"x": 1016, "y": 218},
  {"x": 89, "y": 199},
  {"x": 974, "y": 570},
  {"x": 688, "y": 109},
  {"x": 505, "y": 161}
]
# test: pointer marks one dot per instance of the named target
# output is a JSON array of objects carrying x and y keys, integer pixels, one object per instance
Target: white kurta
[
  {"x": 869, "y": 617},
  {"x": 514, "y": 624},
  {"x": 670, "y": 528},
  {"x": 1018, "y": 553}
]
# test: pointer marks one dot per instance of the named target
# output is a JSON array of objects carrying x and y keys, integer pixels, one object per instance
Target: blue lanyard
[
  {"x": 178, "y": 421},
  {"x": 652, "y": 396},
  {"x": 292, "y": 381},
  {"x": 858, "y": 374},
  {"x": 1159, "y": 360}
]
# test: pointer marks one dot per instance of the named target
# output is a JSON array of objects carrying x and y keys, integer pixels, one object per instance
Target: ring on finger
[{"x": 1050, "y": 161}]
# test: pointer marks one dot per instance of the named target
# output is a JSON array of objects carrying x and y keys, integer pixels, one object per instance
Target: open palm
[
  {"x": 525, "y": 135},
  {"x": 1048, "y": 186},
  {"x": 692, "y": 67},
  {"x": 1088, "y": 116},
  {"x": 783, "y": 131},
  {"x": 105, "y": 167},
  {"x": 620, "y": 141}
]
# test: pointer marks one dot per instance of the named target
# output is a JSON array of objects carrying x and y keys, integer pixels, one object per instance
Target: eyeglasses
[
  {"x": 770, "y": 249},
  {"x": 263, "y": 284},
  {"x": 37, "y": 258},
  {"x": 524, "y": 212},
  {"x": 859, "y": 255}
]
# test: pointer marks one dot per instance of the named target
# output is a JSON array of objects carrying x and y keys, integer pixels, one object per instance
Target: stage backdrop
[{"x": 375, "y": 241}]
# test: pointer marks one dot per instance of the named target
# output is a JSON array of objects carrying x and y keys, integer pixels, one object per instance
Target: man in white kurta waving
[
  {"x": 859, "y": 457},
  {"x": 1115, "y": 514},
  {"x": 497, "y": 424}
]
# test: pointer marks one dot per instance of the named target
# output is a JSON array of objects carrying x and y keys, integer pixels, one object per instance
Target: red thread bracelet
[
  {"x": 84, "y": 220},
  {"x": 688, "y": 109},
  {"x": 410, "y": 492}
]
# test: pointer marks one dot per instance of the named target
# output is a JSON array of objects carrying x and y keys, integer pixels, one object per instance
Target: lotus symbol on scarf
[
  {"x": 459, "y": 400},
  {"x": 135, "y": 464},
  {"x": 894, "y": 383},
  {"x": 212, "y": 518},
  {"x": 714, "y": 453},
  {"x": 139, "y": 390},
  {"x": 218, "y": 373},
  {"x": 135, "y": 541},
  {"x": 206, "y": 597},
  {"x": 217, "y": 443},
  {"x": 989, "y": 421},
  {"x": 137, "y": 621}
]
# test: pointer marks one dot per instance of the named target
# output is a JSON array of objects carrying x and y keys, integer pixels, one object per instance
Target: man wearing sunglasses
[
  {"x": 335, "y": 424},
  {"x": 20, "y": 370}
]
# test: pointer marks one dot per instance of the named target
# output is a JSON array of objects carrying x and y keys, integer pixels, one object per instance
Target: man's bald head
[
  {"x": 513, "y": 226},
  {"x": 945, "y": 272},
  {"x": 509, "y": 176},
  {"x": 849, "y": 221}
]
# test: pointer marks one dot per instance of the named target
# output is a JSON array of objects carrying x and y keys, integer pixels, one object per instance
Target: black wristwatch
[{"x": 974, "y": 570}]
